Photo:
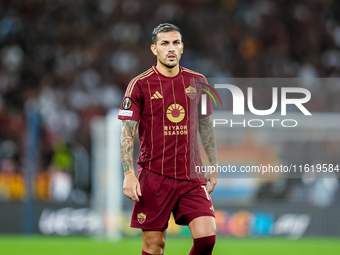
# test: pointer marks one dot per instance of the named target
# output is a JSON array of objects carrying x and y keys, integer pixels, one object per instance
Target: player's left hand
[{"x": 212, "y": 180}]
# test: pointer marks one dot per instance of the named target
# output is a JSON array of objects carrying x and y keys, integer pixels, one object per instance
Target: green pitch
[{"x": 19, "y": 245}]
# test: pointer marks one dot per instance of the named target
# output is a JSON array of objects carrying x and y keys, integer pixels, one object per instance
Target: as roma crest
[
  {"x": 191, "y": 92},
  {"x": 141, "y": 217}
]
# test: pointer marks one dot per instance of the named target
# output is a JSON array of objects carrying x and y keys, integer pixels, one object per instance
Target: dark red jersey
[{"x": 167, "y": 110}]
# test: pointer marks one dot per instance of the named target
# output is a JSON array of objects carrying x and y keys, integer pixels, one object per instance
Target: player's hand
[
  {"x": 131, "y": 187},
  {"x": 212, "y": 179}
]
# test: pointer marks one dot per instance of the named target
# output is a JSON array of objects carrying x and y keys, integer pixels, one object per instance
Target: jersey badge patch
[
  {"x": 127, "y": 103},
  {"x": 141, "y": 217},
  {"x": 191, "y": 92},
  {"x": 125, "y": 113}
]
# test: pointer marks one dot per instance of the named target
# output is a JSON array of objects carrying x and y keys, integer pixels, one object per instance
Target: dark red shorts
[{"x": 162, "y": 195}]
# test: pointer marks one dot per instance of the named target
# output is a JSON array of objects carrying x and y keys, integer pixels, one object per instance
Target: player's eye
[{"x": 164, "y": 43}]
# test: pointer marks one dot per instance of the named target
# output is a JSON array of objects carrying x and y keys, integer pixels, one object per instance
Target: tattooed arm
[
  {"x": 131, "y": 185},
  {"x": 127, "y": 142},
  {"x": 207, "y": 134}
]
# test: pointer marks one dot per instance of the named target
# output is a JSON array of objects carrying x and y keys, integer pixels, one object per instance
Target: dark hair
[{"x": 162, "y": 28}]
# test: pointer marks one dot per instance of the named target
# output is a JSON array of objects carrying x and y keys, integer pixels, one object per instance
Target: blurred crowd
[{"x": 70, "y": 60}]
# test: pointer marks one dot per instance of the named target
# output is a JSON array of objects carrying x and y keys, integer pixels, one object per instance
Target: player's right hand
[{"x": 131, "y": 187}]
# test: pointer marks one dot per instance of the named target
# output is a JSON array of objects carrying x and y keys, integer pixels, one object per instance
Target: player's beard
[{"x": 170, "y": 64}]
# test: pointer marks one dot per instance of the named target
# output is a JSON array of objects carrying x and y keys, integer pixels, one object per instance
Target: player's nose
[{"x": 171, "y": 47}]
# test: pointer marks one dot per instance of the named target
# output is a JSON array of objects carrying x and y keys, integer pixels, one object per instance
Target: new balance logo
[{"x": 157, "y": 95}]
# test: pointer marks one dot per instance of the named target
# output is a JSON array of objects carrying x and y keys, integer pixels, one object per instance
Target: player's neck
[{"x": 169, "y": 72}]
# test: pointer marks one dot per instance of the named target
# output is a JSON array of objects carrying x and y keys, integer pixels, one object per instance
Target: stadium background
[{"x": 64, "y": 65}]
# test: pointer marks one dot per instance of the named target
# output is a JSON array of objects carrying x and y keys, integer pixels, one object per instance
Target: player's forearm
[
  {"x": 207, "y": 135},
  {"x": 127, "y": 144}
]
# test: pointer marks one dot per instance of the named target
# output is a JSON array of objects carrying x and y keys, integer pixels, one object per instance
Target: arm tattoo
[
  {"x": 207, "y": 134},
  {"x": 127, "y": 142}
]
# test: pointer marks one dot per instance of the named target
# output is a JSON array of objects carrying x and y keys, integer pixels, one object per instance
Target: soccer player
[{"x": 164, "y": 102}]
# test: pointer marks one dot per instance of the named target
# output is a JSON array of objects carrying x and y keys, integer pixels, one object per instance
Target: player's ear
[
  {"x": 153, "y": 49},
  {"x": 182, "y": 48}
]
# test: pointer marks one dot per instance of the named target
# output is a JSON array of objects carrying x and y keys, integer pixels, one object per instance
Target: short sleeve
[{"x": 130, "y": 108}]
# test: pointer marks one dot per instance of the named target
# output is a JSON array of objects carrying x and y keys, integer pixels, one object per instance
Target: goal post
[{"x": 107, "y": 179}]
